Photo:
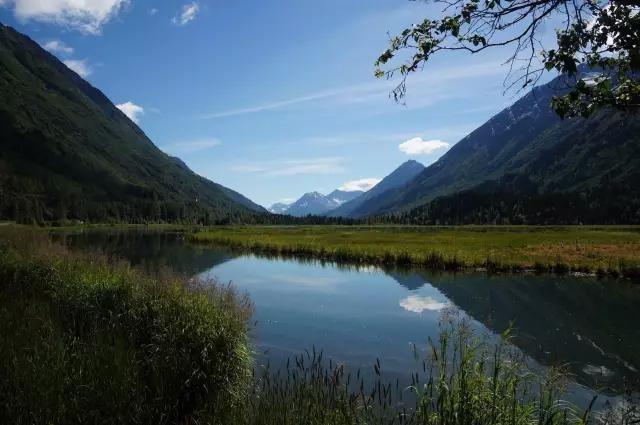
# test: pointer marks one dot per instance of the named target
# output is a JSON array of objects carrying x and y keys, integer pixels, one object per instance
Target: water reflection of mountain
[
  {"x": 409, "y": 279},
  {"x": 148, "y": 249},
  {"x": 585, "y": 323}
]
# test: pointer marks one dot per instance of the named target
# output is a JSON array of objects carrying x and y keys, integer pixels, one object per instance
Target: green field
[{"x": 594, "y": 249}]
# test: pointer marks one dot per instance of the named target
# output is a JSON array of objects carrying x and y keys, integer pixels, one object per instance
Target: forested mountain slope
[
  {"x": 526, "y": 148},
  {"x": 66, "y": 151},
  {"x": 358, "y": 207}
]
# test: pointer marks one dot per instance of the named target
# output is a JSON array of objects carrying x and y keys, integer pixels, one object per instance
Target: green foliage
[
  {"x": 67, "y": 153},
  {"x": 599, "y": 35},
  {"x": 86, "y": 340}
]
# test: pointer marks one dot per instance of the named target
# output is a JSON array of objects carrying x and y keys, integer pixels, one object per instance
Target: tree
[{"x": 599, "y": 35}]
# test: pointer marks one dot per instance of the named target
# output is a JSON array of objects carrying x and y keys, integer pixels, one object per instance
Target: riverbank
[
  {"x": 597, "y": 250},
  {"x": 87, "y": 339}
]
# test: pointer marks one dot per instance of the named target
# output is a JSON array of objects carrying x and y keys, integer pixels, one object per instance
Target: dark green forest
[{"x": 516, "y": 200}]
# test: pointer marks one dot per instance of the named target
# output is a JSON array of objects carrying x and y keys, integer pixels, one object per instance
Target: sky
[{"x": 271, "y": 99}]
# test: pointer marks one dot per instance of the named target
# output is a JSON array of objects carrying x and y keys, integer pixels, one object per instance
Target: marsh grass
[
  {"x": 596, "y": 250},
  {"x": 87, "y": 339},
  {"x": 464, "y": 379}
]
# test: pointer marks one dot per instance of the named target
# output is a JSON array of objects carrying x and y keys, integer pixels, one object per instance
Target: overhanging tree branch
[{"x": 599, "y": 35}]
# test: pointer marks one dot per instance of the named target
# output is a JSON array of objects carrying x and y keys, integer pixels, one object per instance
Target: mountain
[
  {"x": 358, "y": 207},
  {"x": 68, "y": 152},
  {"x": 312, "y": 203},
  {"x": 278, "y": 208},
  {"x": 341, "y": 196},
  {"x": 526, "y": 150},
  {"x": 315, "y": 203}
]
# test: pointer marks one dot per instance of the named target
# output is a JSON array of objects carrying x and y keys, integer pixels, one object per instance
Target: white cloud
[
  {"x": 57, "y": 46},
  {"x": 153, "y": 11},
  {"x": 83, "y": 15},
  {"x": 132, "y": 111},
  {"x": 191, "y": 146},
  {"x": 418, "y": 304},
  {"x": 362, "y": 184},
  {"x": 454, "y": 132},
  {"x": 417, "y": 146},
  {"x": 189, "y": 13},
  {"x": 80, "y": 66},
  {"x": 292, "y": 167}
]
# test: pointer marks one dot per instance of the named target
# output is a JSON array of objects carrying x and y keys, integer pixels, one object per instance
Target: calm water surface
[{"x": 357, "y": 315}]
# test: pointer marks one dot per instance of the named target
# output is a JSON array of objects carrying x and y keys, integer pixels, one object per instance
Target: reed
[
  {"x": 464, "y": 379},
  {"x": 87, "y": 339}
]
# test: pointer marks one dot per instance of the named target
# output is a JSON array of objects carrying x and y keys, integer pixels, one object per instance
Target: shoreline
[{"x": 272, "y": 241}]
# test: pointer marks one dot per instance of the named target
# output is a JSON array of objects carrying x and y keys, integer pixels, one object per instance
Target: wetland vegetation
[
  {"x": 613, "y": 250},
  {"x": 90, "y": 338}
]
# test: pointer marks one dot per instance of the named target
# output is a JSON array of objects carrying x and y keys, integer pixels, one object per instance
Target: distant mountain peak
[
  {"x": 411, "y": 162},
  {"x": 315, "y": 203},
  {"x": 399, "y": 177},
  {"x": 279, "y": 208}
]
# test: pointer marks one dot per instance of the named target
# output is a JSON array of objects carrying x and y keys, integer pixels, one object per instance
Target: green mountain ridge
[
  {"x": 526, "y": 152},
  {"x": 398, "y": 178},
  {"x": 67, "y": 152}
]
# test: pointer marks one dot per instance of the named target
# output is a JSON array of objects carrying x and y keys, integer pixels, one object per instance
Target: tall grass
[
  {"x": 464, "y": 379},
  {"x": 88, "y": 340}
]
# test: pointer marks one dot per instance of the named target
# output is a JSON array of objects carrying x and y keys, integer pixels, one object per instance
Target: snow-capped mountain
[
  {"x": 341, "y": 196},
  {"x": 315, "y": 203},
  {"x": 278, "y": 208}
]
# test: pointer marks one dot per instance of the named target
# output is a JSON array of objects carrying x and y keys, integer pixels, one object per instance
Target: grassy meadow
[{"x": 594, "y": 249}]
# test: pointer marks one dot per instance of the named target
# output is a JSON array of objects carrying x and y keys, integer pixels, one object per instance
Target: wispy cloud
[
  {"x": 417, "y": 146},
  {"x": 131, "y": 110},
  {"x": 84, "y": 16},
  {"x": 153, "y": 11},
  {"x": 188, "y": 14},
  {"x": 247, "y": 168},
  {"x": 190, "y": 146},
  {"x": 80, "y": 66},
  {"x": 270, "y": 106},
  {"x": 433, "y": 87},
  {"x": 362, "y": 184},
  {"x": 292, "y": 167},
  {"x": 57, "y": 46}
]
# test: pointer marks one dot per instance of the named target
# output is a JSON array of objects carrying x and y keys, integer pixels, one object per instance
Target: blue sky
[{"x": 272, "y": 99}]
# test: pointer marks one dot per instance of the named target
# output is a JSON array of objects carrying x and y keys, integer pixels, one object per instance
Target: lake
[{"x": 358, "y": 314}]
